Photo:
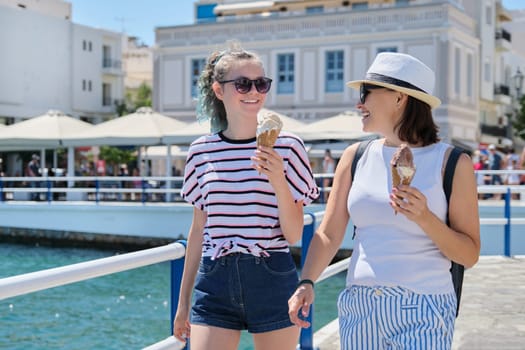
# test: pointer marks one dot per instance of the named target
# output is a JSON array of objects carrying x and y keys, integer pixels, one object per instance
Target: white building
[
  {"x": 137, "y": 60},
  {"x": 137, "y": 64},
  {"x": 311, "y": 48},
  {"x": 49, "y": 62}
]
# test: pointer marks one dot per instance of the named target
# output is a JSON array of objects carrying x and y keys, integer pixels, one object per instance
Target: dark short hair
[{"x": 417, "y": 124}]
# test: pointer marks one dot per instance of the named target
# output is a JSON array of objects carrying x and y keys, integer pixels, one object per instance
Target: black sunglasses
[
  {"x": 365, "y": 89},
  {"x": 243, "y": 85}
]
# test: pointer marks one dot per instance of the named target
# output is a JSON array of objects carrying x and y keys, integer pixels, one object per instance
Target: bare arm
[
  {"x": 460, "y": 242},
  {"x": 291, "y": 215},
  {"x": 181, "y": 325},
  {"x": 327, "y": 239}
]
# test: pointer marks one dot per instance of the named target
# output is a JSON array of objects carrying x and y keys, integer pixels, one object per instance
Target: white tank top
[{"x": 390, "y": 250}]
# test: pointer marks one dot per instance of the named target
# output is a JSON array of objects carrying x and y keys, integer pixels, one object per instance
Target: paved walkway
[{"x": 492, "y": 314}]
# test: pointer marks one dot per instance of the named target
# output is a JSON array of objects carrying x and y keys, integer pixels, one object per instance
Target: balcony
[
  {"x": 503, "y": 40},
  {"x": 111, "y": 66},
  {"x": 502, "y": 94},
  {"x": 494, "y": 130}
]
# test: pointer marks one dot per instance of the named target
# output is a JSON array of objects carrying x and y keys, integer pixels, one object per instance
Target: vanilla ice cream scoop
[{"x": 268, "y": 129}]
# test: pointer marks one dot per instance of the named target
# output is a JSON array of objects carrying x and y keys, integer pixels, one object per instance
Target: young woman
[
  {"x": 248, "y": 208},
  {"x": 399, "y": 292}
]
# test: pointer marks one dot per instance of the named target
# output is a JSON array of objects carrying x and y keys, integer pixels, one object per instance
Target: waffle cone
[{"x": 267, "y": 138}]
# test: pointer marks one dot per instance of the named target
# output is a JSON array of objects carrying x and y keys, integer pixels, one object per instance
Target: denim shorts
[{"x": 242, "y": 291}]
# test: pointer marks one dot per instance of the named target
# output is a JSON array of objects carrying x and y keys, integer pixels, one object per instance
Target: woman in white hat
[{"x": 399, "y": 292}]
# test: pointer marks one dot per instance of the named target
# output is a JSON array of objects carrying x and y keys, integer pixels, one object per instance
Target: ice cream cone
[{"x": 268, "y": 130}]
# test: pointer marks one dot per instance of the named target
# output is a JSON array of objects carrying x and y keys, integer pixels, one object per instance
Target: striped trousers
[{"x": 381, "y": 318}]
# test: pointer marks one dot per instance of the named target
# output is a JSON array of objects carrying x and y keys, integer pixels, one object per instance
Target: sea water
[{"x": 126, "y": 310}]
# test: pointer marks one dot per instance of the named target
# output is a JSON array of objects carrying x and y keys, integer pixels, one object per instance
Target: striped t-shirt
[{"x": 240, "y": 203}]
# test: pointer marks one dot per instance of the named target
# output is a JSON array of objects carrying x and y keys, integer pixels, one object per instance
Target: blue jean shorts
[{"x": 241, "y": 291}]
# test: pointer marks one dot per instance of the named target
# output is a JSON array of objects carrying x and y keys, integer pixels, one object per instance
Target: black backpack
[{"x": 456, "y": 270}]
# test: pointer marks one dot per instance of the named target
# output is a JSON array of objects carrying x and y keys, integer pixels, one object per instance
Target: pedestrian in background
[
  {"x": 248, "y": 208},
  {"x": 33, "y": 170},
  {"x": 399, "y": 292},
  {"x": 328, "y": 171},
  {"x": 495, "y": 163}
]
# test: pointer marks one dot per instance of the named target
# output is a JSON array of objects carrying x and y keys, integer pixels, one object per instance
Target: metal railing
[
  {"x": 148, "y": 188},
  {"x": 59, "y": 276}
]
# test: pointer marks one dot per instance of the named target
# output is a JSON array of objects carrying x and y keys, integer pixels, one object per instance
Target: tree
[
  {"x": 519, "y": 120},
  {"x": 115, "y": 156},
  {"x": 143, "y": 96}
]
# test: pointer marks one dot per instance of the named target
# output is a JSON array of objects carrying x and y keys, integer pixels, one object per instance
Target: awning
[{"x": 243, "y": 8}]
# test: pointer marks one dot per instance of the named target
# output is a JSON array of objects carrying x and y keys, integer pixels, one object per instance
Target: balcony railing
[
  {"x": 503, "y": 34},
  {"x": 111, "y": 63},
  {"x": 502, "y": 90},
  {"x": 494, "y": 130}
]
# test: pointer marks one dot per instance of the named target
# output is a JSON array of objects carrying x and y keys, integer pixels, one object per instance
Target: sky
[{"x": 140, "y": 17}]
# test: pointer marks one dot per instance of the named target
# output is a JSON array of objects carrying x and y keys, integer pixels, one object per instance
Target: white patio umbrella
[
  {"x": 344, "y": 126},
  {"x": 41, "y": 132},
  {"x": 144, "y": 127},
  {"x": 192, "y": 131},
  {"x": 45, "y": 131}
]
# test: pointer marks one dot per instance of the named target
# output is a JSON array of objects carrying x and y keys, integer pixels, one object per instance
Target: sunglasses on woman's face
[
  {"x": 365, "y": 90},
  {"x": 243, "y": 85}
]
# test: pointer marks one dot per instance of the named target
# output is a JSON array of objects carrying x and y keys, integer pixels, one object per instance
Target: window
[
  {"x": 400, "y": 3},
  {"x": 83, "y": 84},
  {"x": 89, "y": 85},
  {"x": 488, "y": 13},
  {"x": 314, "y": 9},
  {"x": 487, "y": 75},
  {"x": 470, "y": 70},
  {"x": 84, "y": 45},
  {"x": 106, "y": 94},
  {"x": 90, "y": 46},
  {"x": 197, "y": 65},
  {"x": 334, "y": 71},
  {"x": 360, "y": 5},
  {"x": 285, "y": 73},
  {"x": 457, "y": 71},
  {"x": 387, "y": 49},
  {"x": 106, "y": 56}
]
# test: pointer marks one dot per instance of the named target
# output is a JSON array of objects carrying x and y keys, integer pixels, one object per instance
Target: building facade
[
  {"x": 49, "y": 62},
  {"x": 311, "y": 48}
]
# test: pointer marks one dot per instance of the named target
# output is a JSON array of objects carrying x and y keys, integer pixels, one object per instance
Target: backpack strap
[
  {"x": 363, "y": 145},
  {"x": 448, "y": 177},
  {"x": 457, "y": 271}
]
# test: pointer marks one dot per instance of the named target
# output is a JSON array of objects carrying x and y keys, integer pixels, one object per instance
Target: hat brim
[{"x": 432, "y": 101}]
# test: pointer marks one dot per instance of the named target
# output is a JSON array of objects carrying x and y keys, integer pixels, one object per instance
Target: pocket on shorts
[
  {"x": 207, "y": 266},
  {"x": 279, "y": 264},
  {"x": 439, "y": 313}
]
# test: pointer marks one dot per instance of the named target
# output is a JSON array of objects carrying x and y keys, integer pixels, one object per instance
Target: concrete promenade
[{"x": 492, "y": 313}]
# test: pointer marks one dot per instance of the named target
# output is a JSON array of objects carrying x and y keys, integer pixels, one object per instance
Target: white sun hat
[{"x": 401, "y": 72}]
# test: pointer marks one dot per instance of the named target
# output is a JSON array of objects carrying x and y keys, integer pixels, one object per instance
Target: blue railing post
[
  {"x": 97, "y": 193},
  {"x": 2, "y": 190},
  {"x": 177, "y": 267},
  {"x": 143, "y": 191},
  {"x": 306, "y": 341},
  {"x": 49, "y": 194},
  {"x": 508, "y": 197}
]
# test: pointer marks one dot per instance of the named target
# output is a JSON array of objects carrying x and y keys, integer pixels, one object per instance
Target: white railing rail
[{"x": 59, "y": 276}]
